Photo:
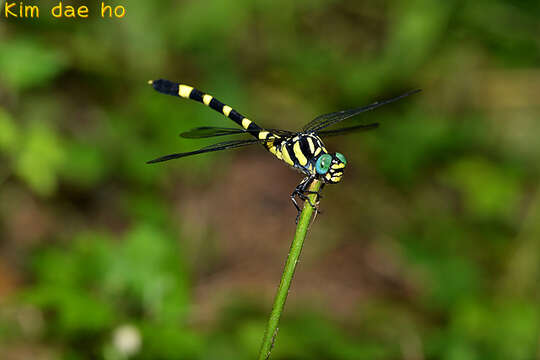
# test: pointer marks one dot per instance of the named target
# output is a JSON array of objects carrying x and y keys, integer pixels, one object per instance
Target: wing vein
[
  {"x": 211, "y": 148},
  {"x": 323, "y": 121}
]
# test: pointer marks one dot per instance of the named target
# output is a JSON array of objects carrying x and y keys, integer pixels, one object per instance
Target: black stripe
[
  {"x": 235, "y": 116},
  {"x": 290, "y": 149},
  {"x": 254, "y": 128},
  {"x": 304, "y": 146},
  {"x": 216, "y": 105},
  {"x": 318, "y": 143},
  {"x": 196, "y": 95},
  {"x": 165, "y": 87}
]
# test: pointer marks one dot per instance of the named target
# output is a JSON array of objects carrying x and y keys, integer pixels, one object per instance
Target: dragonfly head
[{"x": 330, "y": 167}]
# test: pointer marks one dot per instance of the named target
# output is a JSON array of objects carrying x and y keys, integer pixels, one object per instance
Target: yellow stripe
[
  {"x": 274, "y": 150},
  {"x": 286, "y": 156},
  {"x": 227, "y": 110},
  {"x": 206, "y": 99},
  {"x": 299, "y": 154},
  {"x": 338, "y": 166},
  {"x": 328, "y": 176},
  {"x": 263, "y": 134},
  {"x": 318, "y": 151},
  {"x": 336, "y": 179},
  {"x": 246, "y": 122},
  {"x": 311, "y": 145},
  {"x": 184, "y": 91}
]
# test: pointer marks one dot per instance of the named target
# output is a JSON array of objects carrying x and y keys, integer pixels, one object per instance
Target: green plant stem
[{"x": 288, "y": 273}]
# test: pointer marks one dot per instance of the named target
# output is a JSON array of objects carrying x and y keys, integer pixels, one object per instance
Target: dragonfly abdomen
[{"x": 189, "y": 92}]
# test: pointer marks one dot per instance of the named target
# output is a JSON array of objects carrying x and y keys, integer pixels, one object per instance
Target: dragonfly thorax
[
  {"x": 307, "y": 154},
  {"x": 298, "y": 151}
]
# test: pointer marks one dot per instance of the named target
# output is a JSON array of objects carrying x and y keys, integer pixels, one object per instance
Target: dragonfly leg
[
  {"x": 293, "y": 199},
  {"x": 301, "y": 191},
  {"x": 319, "y": 195}
]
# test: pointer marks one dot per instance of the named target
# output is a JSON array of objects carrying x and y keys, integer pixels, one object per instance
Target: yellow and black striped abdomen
[
  {"x": 299, "y": 151},
  {"x": 189, "y": 92}
]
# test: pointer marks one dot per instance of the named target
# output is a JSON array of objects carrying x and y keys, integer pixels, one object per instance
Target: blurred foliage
[{"x": 105, "y": 257}]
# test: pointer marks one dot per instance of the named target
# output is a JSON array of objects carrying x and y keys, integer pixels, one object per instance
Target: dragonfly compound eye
[
  {"x": 341, "y": 158},
  {"x": 323, "y": 163}
]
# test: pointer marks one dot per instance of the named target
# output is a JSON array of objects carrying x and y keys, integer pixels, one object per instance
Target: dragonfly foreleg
[{"x": 301, "y": 191}]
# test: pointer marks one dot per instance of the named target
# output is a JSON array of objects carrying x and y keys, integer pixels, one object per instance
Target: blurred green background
[{"x": 429, "y": 248}]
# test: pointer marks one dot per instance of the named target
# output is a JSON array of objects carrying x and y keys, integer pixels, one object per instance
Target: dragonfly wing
[
  {"x": 215, "y": 147},
  {"x": 282, "y": 133},
  {"x": 347, "y": 130},
  {"x": 210, "y": 131},
  {"x": 323, "y": 121}
]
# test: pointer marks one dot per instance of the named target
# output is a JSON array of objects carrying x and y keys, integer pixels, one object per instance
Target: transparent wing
[
  {"x": 326, "y": 120},
  {"x": 347, "y": 130},
  {"x": 282, "y": 133},
  {"x": 215, "y": 147},
  {"x": 209, "y": 131}
]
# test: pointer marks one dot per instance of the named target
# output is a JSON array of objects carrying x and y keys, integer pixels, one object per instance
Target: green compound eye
[
  {"x": 323, "y": 163},
  {"x": 341, "y": 157}
]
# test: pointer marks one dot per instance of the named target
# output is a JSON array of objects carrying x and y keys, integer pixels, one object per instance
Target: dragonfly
[{"x": 302, "y": 150}]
